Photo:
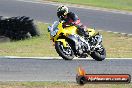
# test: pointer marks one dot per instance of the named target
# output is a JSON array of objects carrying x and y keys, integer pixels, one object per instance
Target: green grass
[
  {"x": 112, "y": 4},
  {"x": 59, "y": 85},
  {"x": 36, "y": 46},
  {"x": 116, "y": 45}
]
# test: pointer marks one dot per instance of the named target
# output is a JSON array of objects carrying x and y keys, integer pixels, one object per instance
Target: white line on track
[
  {"x": 52, "y": 58},
  {"x": 79, "y": 6}
]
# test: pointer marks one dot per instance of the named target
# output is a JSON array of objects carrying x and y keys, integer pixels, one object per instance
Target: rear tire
[
  {"x": 61, "y": 51},
  {"x": 99, "y": 56}
]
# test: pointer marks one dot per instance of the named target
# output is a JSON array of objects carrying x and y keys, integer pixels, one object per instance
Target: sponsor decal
[{"x": 83, "y": 78}]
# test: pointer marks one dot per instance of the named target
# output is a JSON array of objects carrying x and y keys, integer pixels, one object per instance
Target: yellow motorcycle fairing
[
  {"x": 91, "y": 31},
  {"x": 66, "y": 32},
  {"x": 63, "y": 41},
  {"x": 71, "y": 30}
]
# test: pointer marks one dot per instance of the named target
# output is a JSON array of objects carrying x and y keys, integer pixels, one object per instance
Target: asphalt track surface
[
  {"x": 100, "y": 20},
  {"x": 58, "y": 70}
]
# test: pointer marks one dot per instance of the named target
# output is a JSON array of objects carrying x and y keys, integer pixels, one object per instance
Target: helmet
[{"x": 62, "y": 10}]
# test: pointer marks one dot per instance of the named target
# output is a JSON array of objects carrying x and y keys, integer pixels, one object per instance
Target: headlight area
[{"x": 53, "y": 33}]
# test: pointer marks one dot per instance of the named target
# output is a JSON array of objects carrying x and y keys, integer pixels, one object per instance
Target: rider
[{"x": 71, "y": 18}]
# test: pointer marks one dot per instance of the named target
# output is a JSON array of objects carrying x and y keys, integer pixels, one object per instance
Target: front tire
[
  {"x": 65, "y": 52},
  {"x": 99, "y": 55}
]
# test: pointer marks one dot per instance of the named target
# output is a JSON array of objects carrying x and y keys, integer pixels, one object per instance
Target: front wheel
[
  {"x": 99, "y": 55},
  {"x": 65, "y": 52}
]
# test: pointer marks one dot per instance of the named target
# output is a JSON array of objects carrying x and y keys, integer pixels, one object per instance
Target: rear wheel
[
  {"x": 65, "y": 52},
  {"x": 99, "y": 54}
]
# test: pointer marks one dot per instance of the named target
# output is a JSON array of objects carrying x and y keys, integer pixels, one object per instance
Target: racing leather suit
[{"x": 72, "y": 19}]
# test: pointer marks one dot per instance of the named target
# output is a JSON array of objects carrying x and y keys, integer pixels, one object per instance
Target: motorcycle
[{"x": 69, "y": 44}]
